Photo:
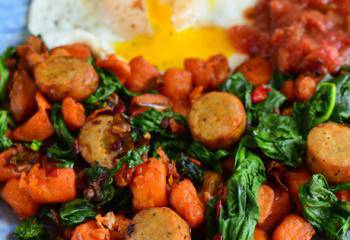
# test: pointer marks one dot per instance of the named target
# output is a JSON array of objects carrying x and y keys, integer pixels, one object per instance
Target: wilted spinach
[
  {"x": 341, "y": 112},
  {"x": 63, "y": 150},
  {"x": 132, "y": 158},
  {"x": 30, "y": 229},
  {"x": 238, "y": 86},
  {"x": 34, "y": 145},
  {"x": 4, "y": 72},
  {"x": 211, "y": 218},
  {"x": 188, "y": 169},
  {"x": 210, "y": 159},
  {"x": 98, "y": 179},
  {"x": 272, "y": 103},
  {"x": 330, "y": 216},
  {"x": 109, "y": 84},
  {"x": 317, "y": 110},
  {"x": 76, "y": 212},
  {"x": 5, "y": 142},
  {"x": 279, "y": 78},
  {"x": 278, "y": 138},
  {"x": 240, "y": 212},
  {"x": 151, "y": 121}
]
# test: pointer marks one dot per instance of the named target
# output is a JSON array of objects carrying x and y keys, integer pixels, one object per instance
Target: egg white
[{"x": 102, "y": 23}]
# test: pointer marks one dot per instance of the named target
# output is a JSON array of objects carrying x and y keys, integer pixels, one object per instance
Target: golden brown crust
[
  {"x": 328, "y": 151},
  {"x": 217, "y": 119},
  {"x": 98, "y": 143},
  {"x": 158, "y": 224},
  {"x": 61, "y": 77}
]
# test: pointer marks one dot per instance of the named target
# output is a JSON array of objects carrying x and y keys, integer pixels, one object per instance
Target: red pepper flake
[
  {"x": 218, "y": 209},
  {"x": 195, "y": 161},
  {"x": 217, "y": 237},
  {"x": 260, "y": 94}
]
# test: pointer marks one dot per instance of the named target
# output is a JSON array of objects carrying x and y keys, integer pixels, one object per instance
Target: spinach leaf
[
  {"x": 240, "y": 212},
  {"x": 211, "y": 218},
  {"x": 279, "y": 78},
  {"x": 64, "y": 150},
  {"x": 109, "y": 84},
  {"x": 151, "y": 121},
  {"x": 341, "y": 111},
  {"x": 4, "y": 72},
  {"x": 172, "y": 147},
  {"x": 122, "y": 199},
  {"x": 317, "y": 110},
  {"x": 272, "y": 103},
  {"x": 76, "y": 212},
  {"x": 133, "y": 158},
  {"x": 278, "y": 138},
  {"x": 34, "y": 145},
  {"x": 5, "y": 142},
  {"x": 211, "y": 159},
  {"x": 100, "y": 182},
  {"x": 238, "y": 86},
  {"x": 30, "y": 229},
  {"x": 330, "y": 216},
  {"x": 188, "y": 169}
]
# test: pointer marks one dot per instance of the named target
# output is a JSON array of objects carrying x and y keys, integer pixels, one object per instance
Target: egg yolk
[{"x": 166, "y": 47}]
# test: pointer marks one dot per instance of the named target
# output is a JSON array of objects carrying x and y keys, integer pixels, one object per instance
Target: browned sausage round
[
  {"x": 98, "y": 142},
  {"x": 217, "y": 119},
  {"x": 158, "y": 224},
  {"x": 22, "y": 96},
  {"x": 328, "y": 151},
  {"x": 61, "y": 77}
]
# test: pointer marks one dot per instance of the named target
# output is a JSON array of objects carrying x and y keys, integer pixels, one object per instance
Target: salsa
[{"x": 298, "y": 36}]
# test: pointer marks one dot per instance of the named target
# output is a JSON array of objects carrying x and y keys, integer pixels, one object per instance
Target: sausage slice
[
  {"x": 328, "y": 151},
  {"x": 61, "y": 77},
  {"x": 158, "y": 224},
  {"x": 217, "y": 119},
  {"x": 99, "y": 143}
]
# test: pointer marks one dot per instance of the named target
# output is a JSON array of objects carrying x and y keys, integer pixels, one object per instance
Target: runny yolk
[{"x": 166, "y": 47}]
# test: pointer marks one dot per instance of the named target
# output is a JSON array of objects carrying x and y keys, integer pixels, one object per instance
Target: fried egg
[{"x": 164, "y": 32}]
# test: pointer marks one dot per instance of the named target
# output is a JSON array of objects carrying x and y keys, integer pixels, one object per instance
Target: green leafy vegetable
[
  {"x": 330, "y": 216},
  {"x": 278, "y": 138},
  {"x": 76, "y": 212},
  {"x": 188, "y": 169},
  {"x": 211, "y": 159},
  {"x": 317, "y": 110},
  {"x": 238, "y": 85},
  {"x": 30, "y": 229},
  {"x": 211, "y": 218},
  {"x": 151, "y": 120},
  {"x": 35, "y": 145},
  {"x": 64, "y": 150},
  {"x": 5, "y": 142},
  {"x": 341, "y": 111},
  {"x": 132, "y": 159},
  {"x": 240, "y": 212},
  {"x": 4, "y": 72},
  {"x": 122, "y": 199},
  {"x": 109, "y": 84},
  {"x": 279, "y": 78},
  {"x": 273, "y": 102},
  {"x": 100, "y": 181}
]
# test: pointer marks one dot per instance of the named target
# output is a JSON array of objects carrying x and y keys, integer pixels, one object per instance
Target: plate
[{"x": 13, "y": 30}]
